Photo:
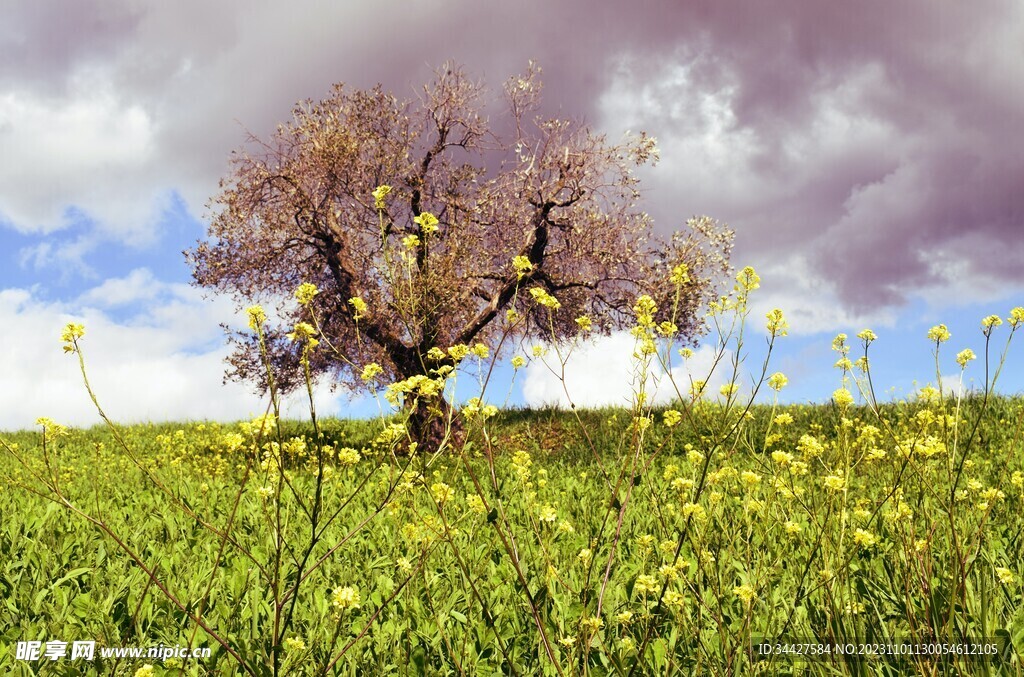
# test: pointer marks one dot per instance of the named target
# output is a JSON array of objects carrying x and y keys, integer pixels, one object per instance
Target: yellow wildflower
[
  {"x": 371, "y": 371},
  {"x": 345, "y": 597},
  {"x": 842, "y": 397},
  {"x": 257, "y": 317},
  {"x": 522, "y": 266},
  {"x": 748, "y": 280},
  {"x": 359, "y": 305},
  {"x": 427, "y": 223},
  {"x": 545, "y": 299},
  {"x": 864, "y": 539},
  {"x": 680, "y": 274},
  {"x": 305, "y": 293},
  {"x": 379, "y": 193},
  {"x": 777, "y": 381},
  {"x": 294, "y": 644},
  {"x": 777, "y": 325},
  {"x": 745, "y": 593}
]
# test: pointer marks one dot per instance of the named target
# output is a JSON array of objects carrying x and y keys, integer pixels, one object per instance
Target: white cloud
[
  {"x": 603, "y": 372},
  {"x": 809, "y": 304},
  {"x": 85, "y": 150},
  {"x": 156, "y": 366}
]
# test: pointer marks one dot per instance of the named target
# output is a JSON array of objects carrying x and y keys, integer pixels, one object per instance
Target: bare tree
[{"x": 432, "y": 255}]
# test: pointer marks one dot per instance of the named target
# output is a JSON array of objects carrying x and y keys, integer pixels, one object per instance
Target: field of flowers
[{"x": 651, "y": 540}]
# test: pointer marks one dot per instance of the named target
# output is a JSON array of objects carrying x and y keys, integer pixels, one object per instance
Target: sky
[{"x": 869, "y": 157}]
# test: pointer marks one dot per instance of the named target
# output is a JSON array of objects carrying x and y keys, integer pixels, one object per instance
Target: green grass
[{"x": 448, "y": 589}]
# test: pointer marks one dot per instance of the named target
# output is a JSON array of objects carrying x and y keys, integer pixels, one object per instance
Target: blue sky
[{"x": 870, "y": 163}]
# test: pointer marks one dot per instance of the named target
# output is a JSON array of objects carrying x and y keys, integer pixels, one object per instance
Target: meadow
[{"x": 653, "y": 540}]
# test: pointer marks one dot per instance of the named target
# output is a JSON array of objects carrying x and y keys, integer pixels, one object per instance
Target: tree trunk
[{"x": 430, "y": 427}]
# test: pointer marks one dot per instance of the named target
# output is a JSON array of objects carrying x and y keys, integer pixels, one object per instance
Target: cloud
[
  {"x": 80, "y": 151},
  {"x": 165, "y": 362},
  {"x": 603, "y": 372},
  {"x": 875, "y": 148}
]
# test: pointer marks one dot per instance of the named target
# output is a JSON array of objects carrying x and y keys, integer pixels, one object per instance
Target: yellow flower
[
  {"x": 680, "y": 274},
  {"x": 427, "y": 223},
  {"x": 777, "y": 381},
  {"x": 939, "y": 333},
  {"x": 667, "y": 329},
  {"x": 792, "y": 528},
  {"x": 459, "y": 352},
  {"x": 783, "y": 419},
  {"x": 348, "y": 456},
  {"x": 145, "y": 671},
  {"x": 777, "y": 325},
  {"x": 51, "y": 428},
  {"x": 379, "y": 193},
  {"x": 835, "y": 482},
  {"x": 672, "y": 417},
  {"x": 864, "y": 539},
  {"x": 991, "y": 321},
  {"x": 693, "y": 510},
  {"x": 359, "y": 305},
  {"x": 303, "y": 331},
  {"x": 745, "y": 593},
  {"x": 257, "y": 317},
  {"x": 294, "y": 644},
  {"x": 1016, "y": 317},
  {"x": 442, "y": 492},
  {"x": 305, "y": 293},
  {"x": 748, "y": 279},
  {"x": 411, "y": 241},
  {"x": 964, "y": 356},
  {"x": 782, "y": 457},
  {"x": 729, "y": 389},
  {"x": 1005, "y": 576},
  {"x": 583, "y": 322},
  {"x": 371, "y": 371},
  {"x": 345, "y": 597},
  {"x": 842, "y": 397},
  {"x": 645, "y": 584},
  {"x": 71, "y": 333},
  {"x": 518, "y": 362},
  {"x": 545, "y": 299},
  {"x": 522, "y": 266},
  {"x": 839, "y": 343},
  {"x": 867, "y": 336},
  {"x": 476, "y": 504},
  {"x": 548, "y": 514}
]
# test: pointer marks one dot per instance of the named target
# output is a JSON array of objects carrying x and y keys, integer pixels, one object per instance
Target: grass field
[{"x": 554, "y": 542}]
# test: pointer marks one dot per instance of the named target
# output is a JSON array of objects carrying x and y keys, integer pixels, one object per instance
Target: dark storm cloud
[{"x": 880, "y": 143}]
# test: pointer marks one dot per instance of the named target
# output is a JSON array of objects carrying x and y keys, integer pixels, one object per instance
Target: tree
[{"x": 423, "y": 227}]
